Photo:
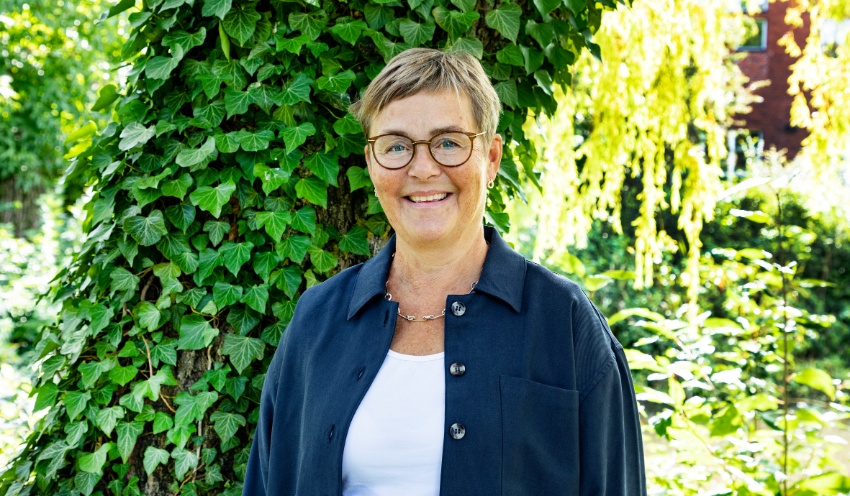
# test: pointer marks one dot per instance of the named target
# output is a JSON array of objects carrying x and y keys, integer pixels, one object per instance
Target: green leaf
[
  {"x": 75, "y": 432},
  {"x": 185, "y": 40},
  {"x": 256, "y": 297},
  {"x": 181, "y": 215},
  {"x": 415, "y": 33},
  {"x": 252, "y": 142},
  {"x": 148, "y": 316},
  {"x": 358, "y": 177},
  {"x": 242, "y": 350},
  {"x": 178, "y": 187},
  {"x": 135, "y": 134},
  {"x": 226, "y": 424},
  {"x": 312, "y": 189},
  {"x": 816, "y": 379},
  {"x": 153, "y": 458},
  {"x": 184, "y": 461},
  {"x": 291, "y": 278},
  {"x": 85, "y": 482},
  {"x": 336, "y": 83},
  {"x": 208, "y": 116},
  {"x": 100, "y": 315},
  {"x": 324, "y": 166},
  {"x": 294, "y": 247},
  {"x": 148, "y": 230},
  {"x": 75, "y": 403},
  {"x": 236, "y": 102},
  {"x": 505, "y": 20},
  {"x": 235, "y": 255},
  {"x": 453, "y": 22},
  {"x": 296, "y": 136},
  {"x": 469, "y": 45},
  {"x": 240, "y": 22},
  {"x": 226, "y": 143},
  {"x": 322, "y": 260},
  {"x": 194, "y": 156},
  {"x": 160, "y": 67},
  {"x": 162, "y": 422},
  {"x": 546, "y": 6},
  {"x": 274, "y": 222},
  {"x": 272, "y": 179},
  {"x": 46, "y": 396},
  {"x": 242, "y": 319},
  {"x": 575, "y": 6},
  {"x": 83, "y": 133},
  {"x": 217, "y": 229},
  {"x": 107, "y": 418},
  {"x": 264, "y": 263},
  {"x": 464, "y": 5},
  {"x": 93, "y": 462},
  {"x": 507, "y": 93},
  {"x": 355, "y": 241},
  {"x": 309, "y": 24},
  {"x": 511, "y": 55},
  {"x": 212, "y": 199},
  {"x": 349, "y": 31},
  {"x": 123, "y": 375},
  {"x": 106, "y": 97},
  {"x": 596, "y": 282},
  {"x": 264, "y": 96},
  {"x": 226, "y": 294},
  {"x": 295, "y": 91},
  {"x": 304, "y": 220},
  {"x": 195, "y": 333},
  {"x": 218, "y": 8},
  {"x": 192, "y": 406},
  {"x": 128, "y": 432}
]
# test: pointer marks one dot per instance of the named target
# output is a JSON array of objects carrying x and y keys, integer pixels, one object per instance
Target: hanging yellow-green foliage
[
  {"x": 656, "y": 107},
  {"x": 819, "y": 81}
]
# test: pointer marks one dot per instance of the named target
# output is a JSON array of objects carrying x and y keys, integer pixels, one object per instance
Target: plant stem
[{"x": 785, "y": 364}]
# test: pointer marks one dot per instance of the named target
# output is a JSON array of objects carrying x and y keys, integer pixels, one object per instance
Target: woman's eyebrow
[{"x": 434, "y": 132}]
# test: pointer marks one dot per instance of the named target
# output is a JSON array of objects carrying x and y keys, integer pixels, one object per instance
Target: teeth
[{"x": 417, "y": 199}]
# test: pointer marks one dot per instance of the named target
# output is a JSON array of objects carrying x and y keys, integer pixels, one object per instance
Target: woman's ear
[{"x": 494, "y": 156}]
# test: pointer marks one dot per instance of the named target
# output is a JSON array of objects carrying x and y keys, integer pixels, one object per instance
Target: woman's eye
[
  {"x": 396, "y": 148},
  {"x": 447, "y": 144}
]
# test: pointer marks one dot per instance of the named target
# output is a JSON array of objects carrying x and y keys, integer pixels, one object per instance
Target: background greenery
[{"x": 230, "y": 178}]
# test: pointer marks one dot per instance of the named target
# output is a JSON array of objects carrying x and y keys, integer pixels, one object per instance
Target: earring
[
  {"x": 491, "y": 184},
  {"x": 376, "y": 191}
]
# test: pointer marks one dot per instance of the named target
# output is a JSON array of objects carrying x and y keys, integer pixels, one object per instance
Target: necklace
[{"x": 424, "y": 318}]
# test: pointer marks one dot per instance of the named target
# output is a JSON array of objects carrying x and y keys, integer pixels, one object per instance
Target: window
[
  {"x": 757, "y": 41},
  {"x": 744, "y": 145}
]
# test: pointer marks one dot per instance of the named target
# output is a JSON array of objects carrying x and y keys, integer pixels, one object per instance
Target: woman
[{"x": 447, "y": 364}]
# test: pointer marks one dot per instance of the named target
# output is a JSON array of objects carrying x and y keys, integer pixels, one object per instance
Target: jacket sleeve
[
  {"x": 611, "y": 446},
  {"x": 256, "y": 474}
]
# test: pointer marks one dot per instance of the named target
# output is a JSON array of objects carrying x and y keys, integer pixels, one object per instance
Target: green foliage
[{"x": 230, "y": 180}]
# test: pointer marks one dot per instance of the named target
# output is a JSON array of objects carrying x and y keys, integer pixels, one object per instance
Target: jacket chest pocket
[{"x": 540, "y": 438}]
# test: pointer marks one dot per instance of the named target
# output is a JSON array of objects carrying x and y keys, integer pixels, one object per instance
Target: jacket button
[
  {"x": 457, "y": 369},
  {"x": 458, "y": 309},
  {"x": 457, "y": 431}
]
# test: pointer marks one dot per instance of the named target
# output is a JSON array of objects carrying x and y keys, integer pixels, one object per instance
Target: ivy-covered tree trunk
[{"x": 232, "y": 179}]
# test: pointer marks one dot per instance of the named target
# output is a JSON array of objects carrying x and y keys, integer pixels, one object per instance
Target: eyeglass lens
[{"x": 448, "y": 149}]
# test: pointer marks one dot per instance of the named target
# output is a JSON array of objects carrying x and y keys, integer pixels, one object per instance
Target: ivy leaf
[
  {"x": 135, "y": 134},
  {"x": 208, "y": 116},
  {"x": 75, "y": 403},
  {"x": 123, "y": 280},
  {"x": 464, "y": 5},
  {"x": 309, "y": 24},
  {"x": 154, "y": 457},
  {"x": 294, "y": 247},
  {"x": 193, "y": 406},
  {"x": 546, "y": 6},
  {"x": 314, "y": 190},
  {"x": 336, "y": 83},
  {"x": 304, "y": 220},
  {"x": 123, "y": 375},
  {"x": 162, "y": 422},
  {"x": 226, "y": 142},
  {"x": 226, "y": 294},
  {"x": 274, "y": 222},
  {"x": 264, "y": 96},
  {"x": 236, "y": 102},
  {"x": 505, "y": 20},
  {"x": 322, "y": 260},
  {"x": 349, "y": 31},
  {"x": 194, "y": 156},
  {"x": 184, "y": 461},
  {"x": 469, "y": 45},
  {"x": 242, "y": 319},
  {"x": 252, "y": 142},
  {"x": 85, "y": 482},
  {"x": 453, "y": 22},
  {"x": 181, "y": 215},
  {"x": 212, "y": 199},
  {"x": 75, "y": 432},
  {"x": 235, "y": 255},
  {"x": 178, "y": 187},
  {"x": 242, "y": 350},
  {"x": 239, "y": 23},
  {"x": 128, "y": 432},
  {"x": 511, "y": 55},
  {"x": 264, "y": 263},
  {"x": 507, "y": 93},
  {"x": 216, "y": 229},
  {"x": 148, "y": 230},
  {"x": 323, "y": 165},
  {"x": 160, "y": 67},
  {"x": 358, "y": 177},
  {"x": 296, "y": 136},
  {"x": 415, "y": 33},
  {"x": 185, "y": 40},
  {"x": 100, "y": 315},
  {"x": 46, "y": 396},
  {"x": 297, "y": 90},
  {"x": 347, "y": 125},
  {"x": 272, "y": 179},
  {"x": 226, "y": 424},
  {"x": 355, "y": 241},
  {"x": 148, "y": 315},
  {"x": 107, "y": 418},
  {"x": 291, "y": 277},
  {"x": 93, "y": 462},
  {"x": 256, "y": 297},
  {"x": 195, "y": 333}
]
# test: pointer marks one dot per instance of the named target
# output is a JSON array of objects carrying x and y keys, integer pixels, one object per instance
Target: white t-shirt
[{"x": 394, "y": 445}]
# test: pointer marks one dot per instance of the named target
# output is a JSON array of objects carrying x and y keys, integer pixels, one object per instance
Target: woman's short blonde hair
[{"x": 426, "y": 69}]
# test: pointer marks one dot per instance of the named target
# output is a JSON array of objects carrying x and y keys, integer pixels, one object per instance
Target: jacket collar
[{"x": 503, "y": 275}]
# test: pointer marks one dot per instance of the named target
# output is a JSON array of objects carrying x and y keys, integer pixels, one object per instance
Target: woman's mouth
[{"x": 428, "y": 198}]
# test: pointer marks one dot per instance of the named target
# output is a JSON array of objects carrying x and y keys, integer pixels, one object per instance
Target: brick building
[{"x": 769, "y": 122}]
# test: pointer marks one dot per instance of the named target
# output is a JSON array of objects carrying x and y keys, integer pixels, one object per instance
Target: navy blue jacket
[{"x": 546, "y": 400}]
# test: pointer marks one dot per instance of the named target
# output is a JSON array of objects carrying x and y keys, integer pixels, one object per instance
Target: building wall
[{"x": 772, "y": 116}]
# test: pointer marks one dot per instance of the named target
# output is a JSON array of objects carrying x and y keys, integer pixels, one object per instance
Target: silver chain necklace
[{"x": 424, "y": 318}]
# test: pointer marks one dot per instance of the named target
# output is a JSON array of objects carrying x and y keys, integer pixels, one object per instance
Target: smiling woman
[{"x": 447, "y": 364}]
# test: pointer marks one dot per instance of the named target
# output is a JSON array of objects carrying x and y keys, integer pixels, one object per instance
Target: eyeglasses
[{"x": 394, "y": 151}]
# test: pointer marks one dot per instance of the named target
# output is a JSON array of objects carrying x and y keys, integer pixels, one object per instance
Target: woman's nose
[{"x": 423, "y": 166}]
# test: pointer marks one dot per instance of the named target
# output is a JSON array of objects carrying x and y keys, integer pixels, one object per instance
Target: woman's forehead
[{"x": 426, "y": 112}]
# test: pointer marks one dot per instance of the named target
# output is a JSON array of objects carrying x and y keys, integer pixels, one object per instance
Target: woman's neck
[{"x": 443, "y": 268}]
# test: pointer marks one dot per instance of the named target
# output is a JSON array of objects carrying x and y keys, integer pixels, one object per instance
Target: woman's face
[{"x": 425, "y": 202}]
